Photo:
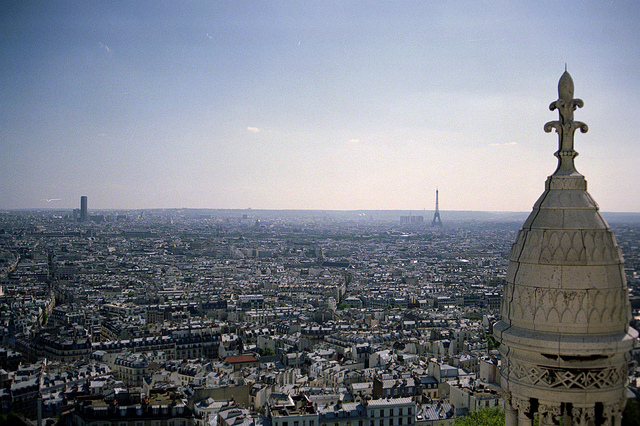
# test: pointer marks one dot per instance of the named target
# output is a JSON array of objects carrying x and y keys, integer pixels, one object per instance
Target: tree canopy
[{"x": 493, "y": 416}]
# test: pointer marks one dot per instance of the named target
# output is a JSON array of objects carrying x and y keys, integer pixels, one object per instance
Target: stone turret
[{"x": 565, "y": 308}]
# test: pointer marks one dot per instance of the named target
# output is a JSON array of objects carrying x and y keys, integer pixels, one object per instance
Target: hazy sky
[{"x": 312, "y": 105}]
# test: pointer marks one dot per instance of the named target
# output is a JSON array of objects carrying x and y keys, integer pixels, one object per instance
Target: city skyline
[{"x": 320, "y": 106}]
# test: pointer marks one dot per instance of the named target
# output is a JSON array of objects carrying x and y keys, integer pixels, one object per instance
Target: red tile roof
[{"x": 240, "y": 359}]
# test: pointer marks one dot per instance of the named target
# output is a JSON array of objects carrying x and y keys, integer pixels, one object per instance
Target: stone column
[
  {"x": 612, "y": 413},
  {"x": 550, "y": 413},
  {"x": 523, "y": 405},
  {"x": 524, "y": 418},
  {"x": 583, "y": 415},
  {"x": 510, "y": 413},
  {"x": 567, "y": 420}
]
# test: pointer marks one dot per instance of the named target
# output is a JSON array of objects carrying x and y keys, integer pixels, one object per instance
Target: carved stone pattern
[
  {"x": 505, "y": 303},
  {"x": 557, "y": 182},
  {"x": 561, "y": 247},
  {"x": 572, "y": 246},
  {"x": 523, "y": 303},
  {"x": 611, "y": 411},
  {"x": 560, "y": 306},
  {"x": 516, "y": 248},
  {"x": 550, "y": 411},
  {"x": 583, "y": 415},
  {"x": 558, "y": 378},
  {"x": 600, "y": 246},
  {"x": 567, "y": 199},
  {"x": 521, "y": 404},
  {"x": 565, "y": 247},
  {"x": 506, "y": 396}
]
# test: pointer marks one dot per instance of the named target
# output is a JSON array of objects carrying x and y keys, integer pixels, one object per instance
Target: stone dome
[
  {"x": 565, "y": 312},
  {"x": 566, "y": 271}
]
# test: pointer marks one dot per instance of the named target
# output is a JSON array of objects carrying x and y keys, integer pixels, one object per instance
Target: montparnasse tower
[{"x": 564, "y": 328}]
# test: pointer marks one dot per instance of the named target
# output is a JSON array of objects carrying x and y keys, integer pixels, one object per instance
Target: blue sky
[{"x": 312, "y": 105}]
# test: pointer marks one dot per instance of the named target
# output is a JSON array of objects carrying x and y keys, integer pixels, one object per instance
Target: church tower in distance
[{"x": 564, "y": 328}]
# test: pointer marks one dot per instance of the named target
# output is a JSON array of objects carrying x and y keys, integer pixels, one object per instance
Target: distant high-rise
[
  {"x": 436, "y": 215},
  {"x": 412, "y": 219},
  {"x": 83, "y": 209}
]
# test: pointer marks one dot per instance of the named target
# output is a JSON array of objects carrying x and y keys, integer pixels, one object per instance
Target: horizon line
[{"x": 281, "y": 209}]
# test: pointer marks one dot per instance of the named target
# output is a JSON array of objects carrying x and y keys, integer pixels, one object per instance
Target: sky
[{"x": 332, "y": 105}]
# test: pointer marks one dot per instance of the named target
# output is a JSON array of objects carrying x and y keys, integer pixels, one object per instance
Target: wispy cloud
[
  {"x": 253, "y": 129},
  {"x": 105, "y": 47},
  {"x": 354, "y": 140}
]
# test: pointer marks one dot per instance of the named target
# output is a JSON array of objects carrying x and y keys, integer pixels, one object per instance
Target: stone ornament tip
[{"x": 566, "y": 126}]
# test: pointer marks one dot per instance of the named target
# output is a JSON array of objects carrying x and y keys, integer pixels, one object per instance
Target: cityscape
[
  {"x": 258, "y": 317},
  {"x": 220, "y": 213}
]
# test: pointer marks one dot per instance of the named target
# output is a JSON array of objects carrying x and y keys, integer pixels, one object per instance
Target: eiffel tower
[{"x": 436, "y": 215}]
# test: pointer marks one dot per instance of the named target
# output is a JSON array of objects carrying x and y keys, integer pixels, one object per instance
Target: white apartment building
[{"x": 391, "y": 412}]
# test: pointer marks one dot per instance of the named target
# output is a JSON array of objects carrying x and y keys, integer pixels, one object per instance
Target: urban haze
[
  {"x": 311, "y": 214},
  {"x": 212, "y": 312}
]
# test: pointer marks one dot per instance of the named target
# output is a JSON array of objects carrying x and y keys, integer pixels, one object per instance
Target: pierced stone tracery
[{"x": 549, "y": 377}]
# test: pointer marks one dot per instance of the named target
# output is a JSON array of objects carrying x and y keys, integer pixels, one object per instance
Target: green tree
[
  {"x": 493, "y": 416},
  {"x": 11, "y": 419},
  {"x": 343, "y": 305},
  {"x": 631, "y": 415},
  {"x": 492, "y": 342}
]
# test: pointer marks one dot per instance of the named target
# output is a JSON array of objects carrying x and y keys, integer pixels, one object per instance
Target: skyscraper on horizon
[
  {"x": 83, "y": 209},
  {"x": 564, "y": 327}
]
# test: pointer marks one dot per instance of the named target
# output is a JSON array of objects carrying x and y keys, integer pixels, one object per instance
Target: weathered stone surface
[{"x": 565, "y": 310}]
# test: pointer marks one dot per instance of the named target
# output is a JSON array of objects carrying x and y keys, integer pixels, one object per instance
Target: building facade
[{"x": 84, "y": 215}]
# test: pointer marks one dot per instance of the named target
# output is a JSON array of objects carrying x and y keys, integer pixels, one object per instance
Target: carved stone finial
[
  {"x": 566, "y": 126},
  {"x": 565, "y": 87}
]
